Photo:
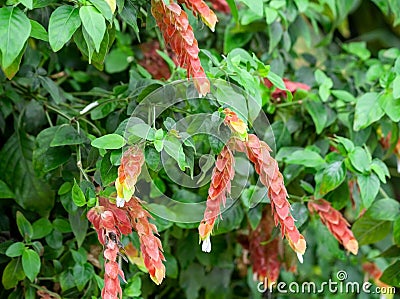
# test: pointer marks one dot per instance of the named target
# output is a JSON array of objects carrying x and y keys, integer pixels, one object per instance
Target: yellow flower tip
[
  {"x": 299, "y": 247},
  {"x": 352, "y": 246},
  {"x": 205, "y": 230},
  {"x": 158, "y": 276},
  {"x": 239, "y": 126}
]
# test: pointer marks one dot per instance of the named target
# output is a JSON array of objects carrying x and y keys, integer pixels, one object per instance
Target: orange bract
[
  {"x": 258, "y": 153},
  {"x": 336, "y": 224},
  {"x": 220, "y": 186},
  {"x": 199, "y": 7},
  {"x": 174, "y": 25},
  {"x": 265, "y": 257}
]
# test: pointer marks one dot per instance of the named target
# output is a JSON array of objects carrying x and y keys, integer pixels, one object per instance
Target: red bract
[
  {"x": 150, "y": 245},
  {"x": 106, "y": 224},
  {"x": 372, "y": 271},
  {"x": 258, "y": 153},
  {"x": 178, "y": 34},
  {"x": 291, "y": 86},
  {"x": 153, "y": 62},
  {"x": 128, "y": 172},
  {"x": 265, "y": 257},
  {"x": 335, "y": 222},
  {"x": 220, "y": 186},
  {"x": 221, "y": 6},
  {"x": 199, "y": 7}
]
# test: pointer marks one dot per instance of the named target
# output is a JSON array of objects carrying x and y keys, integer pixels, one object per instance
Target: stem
[
  {"x": 79, "y": 157},
  {"x": 290, "y": 103},
  {"x": 383, "y": 192}
]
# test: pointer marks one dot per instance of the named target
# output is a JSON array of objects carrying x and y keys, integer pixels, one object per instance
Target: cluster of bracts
[{"x": 113, "y": 219}]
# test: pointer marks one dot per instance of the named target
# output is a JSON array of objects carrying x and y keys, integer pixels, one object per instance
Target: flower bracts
[
  {"x": 220, "y": 186},
  {"x": 150, "y": 245},
  {"x": 105, "y": 222},
  {"x": 199, "y": 7},
  {"x": 336, "y": 223},
  {"x": 264, "y": 250},
  {"x": 258, "y": 153},
  {"x": 178, "y": 34},
  {"x": 128, "y": 172}
]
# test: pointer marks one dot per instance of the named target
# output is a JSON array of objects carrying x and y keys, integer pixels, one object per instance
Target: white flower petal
[
  {"x": 206, "y": 246},
  {"x": 300, "y": 257},
  {"x": 88, "y": 107},
  {"x": 120, "y": 202}
]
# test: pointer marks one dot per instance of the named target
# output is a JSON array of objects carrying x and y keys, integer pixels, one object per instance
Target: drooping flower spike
[
  {"x": 258, "y": 152},
  {"x": 150, "y": 245},
  {"x": 336, "y": 223},
  {"x": 110, "y": 223},
  {"x": 264, "y": 250},
  {"x": 105, "y": 223},
  {"x": 220, "y": 186},
  {"x": 178, "y": 34},
  {"x": 128, "y": 172},
  {"x": 199, "y": 7}
]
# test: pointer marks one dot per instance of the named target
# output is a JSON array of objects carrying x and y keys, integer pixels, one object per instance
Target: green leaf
[
  {"x": 110, "y": 141},
  {"x": 41, "y": 228},
  {"x": 27, "y": 3},
  {"x": 15, "y": 29},
  {"x": 396, "y": 230},
  {"x": 347, "y": 143},
  {"x": 79, "y": 225},
  {"x": 276, "y": 80},
  {"x": 368, "y": 230},
  {"x": 153, "y": 158},
  {"x": 391, "y": 275},
  {"x": 12, "y": 274},
  {"x": 384, "y": 209},
  {"x": 318, "y": 114},
  {"x": 30, "y": 192},
  {"x": 38, "y": 31},
  {"x": 306, "y": 157},
  {"x": 359, "y": 49},
  {"x": 24, "y": 227},
  {"x": 53, "y": 89},
  {"x": 329, "y": 178},
  {"x": 325, "y": 84},
  {"x": 117, "y": 60},
  {"x": 396, "y": 89},
  {"x": 63, "y": 23},
  {"x": 16, "y": 249},
  {"x": 66, "y": 135},
  {"x": 82, "y": 274},
  {"x": 369, "y": 188},
  {"x": 360, "y": 160},
  {"x": 5, "y": 192},
  {"x": 31, "y": 264},
  {"x": 104, "y": 8},
  {"x": 11, "y": 70},
  {"x": 94, "y": 23},
  {"x": 134, "y": 284},
  {"x": 77, "y": 195},
  {"x": 390, "y": 104},
  {"x": 108, "y": 172},
  {"x": 173, "y": 147},
  {"x": 380, "y": 169},
  {"x": 367, "y": 111},
  {"x": 255, "y": 6}
]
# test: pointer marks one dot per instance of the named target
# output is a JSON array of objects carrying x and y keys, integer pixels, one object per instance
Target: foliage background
[{"x": 346, "y": 51}]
